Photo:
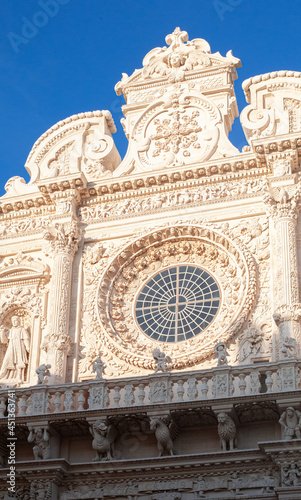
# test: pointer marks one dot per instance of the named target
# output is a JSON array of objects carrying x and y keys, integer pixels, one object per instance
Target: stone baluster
[
  {"x": 284, "y": 209},
  {"x": 2, "y": 406},
  {"x": 23, "y": 405},
  {"x": 141, "y": 394},
  {"x": 242, "y": 384},
  {"x": 204, "y": 387},
  {"x": 64, "y": 239},
  {"x": 180, "y": 390},
  {"x": 81, "y": 399},
  {"x": 57, "y": 402},
  {"x": 116, "y": 396},
  {"x": 269, "y": 380}
]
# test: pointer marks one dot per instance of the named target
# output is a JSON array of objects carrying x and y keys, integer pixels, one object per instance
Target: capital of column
[
  {"x": 63, "y": 238},
  {"x": 57, "y": 342},
  {"x": 283, "y": 206}
]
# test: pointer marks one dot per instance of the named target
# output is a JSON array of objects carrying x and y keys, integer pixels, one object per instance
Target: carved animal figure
[
  {"x": 103, "y": 443},
  {"x": 165, "y": 434},
  {"x": 226, "y": 431}
]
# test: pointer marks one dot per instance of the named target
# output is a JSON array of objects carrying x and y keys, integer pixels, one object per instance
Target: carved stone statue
[
  {"x": 165, "y": 434},
  {"x": 290, "y": 421},
  {"x": 104, "y": 436},
  {"x": 98, "y": 367},
  {"x": 288, "y": 347},
  {"x": 162, "y": 361},
  {"x": 16, "y": 357},
  {"x": 221, "y": 354},
  {"x": 40, "y": 438},
  {"x": 226, "y": 431},
  {"x": 42, "y": 372}
]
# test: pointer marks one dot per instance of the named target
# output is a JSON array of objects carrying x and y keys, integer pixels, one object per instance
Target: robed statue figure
[{"x": 16, "y": 357}]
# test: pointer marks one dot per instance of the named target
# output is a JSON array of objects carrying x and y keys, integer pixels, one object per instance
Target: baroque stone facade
[{"x": 150, "y": 343}]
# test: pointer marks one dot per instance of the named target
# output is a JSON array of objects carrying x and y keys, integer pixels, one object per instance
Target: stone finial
[
  {"x": 98, "y": 367},
  {"x": 221, "y": 354},
  {"x": 162, "y": 361},
  {"x": 42, "y": 372}
]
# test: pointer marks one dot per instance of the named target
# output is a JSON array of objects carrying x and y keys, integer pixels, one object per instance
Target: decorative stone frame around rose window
[{"x": 228, "y": 261}]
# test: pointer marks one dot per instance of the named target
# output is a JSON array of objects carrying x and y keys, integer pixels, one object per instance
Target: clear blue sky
[{"x": 72, "y": 60}]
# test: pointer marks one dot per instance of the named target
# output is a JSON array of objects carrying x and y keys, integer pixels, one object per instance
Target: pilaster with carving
[
  {"x": 64, "y": 239},
  {"x": 283, "y": 207}
]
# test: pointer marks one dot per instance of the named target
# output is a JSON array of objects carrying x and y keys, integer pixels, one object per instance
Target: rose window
[{"x": 177, "y": 303}]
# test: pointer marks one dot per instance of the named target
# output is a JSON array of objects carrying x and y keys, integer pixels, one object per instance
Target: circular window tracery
[
  {"x": 177, "y": 303},
  {"x": 228, "y": 261}
]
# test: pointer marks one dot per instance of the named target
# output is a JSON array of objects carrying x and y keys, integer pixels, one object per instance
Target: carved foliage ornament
[
  {"x": 182, "y": 127},
  {"x": 229, "y": 263},
  {"x": 63, "y": 238},
  {"x": 176, "y": 61}
]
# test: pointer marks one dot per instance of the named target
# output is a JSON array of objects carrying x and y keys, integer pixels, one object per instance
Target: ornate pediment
[
  {"x": 179, "y": 107},
  {"x": 23, "y": 268},
  {"x": 176, "y": 62},
  {"x": 275, "y": 105},
  {"x": 81, "y": 145}
]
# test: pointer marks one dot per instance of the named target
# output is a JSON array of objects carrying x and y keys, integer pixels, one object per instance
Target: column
[
  {"x": 284, "y": 209},
  {"x": 63, "y": 239}
]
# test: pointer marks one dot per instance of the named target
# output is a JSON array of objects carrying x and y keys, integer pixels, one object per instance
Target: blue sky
[{"x": 71, "y": 57}]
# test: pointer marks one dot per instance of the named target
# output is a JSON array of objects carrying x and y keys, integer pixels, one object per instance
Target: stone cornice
[
  {"x": 249, "y": 458},
  {"x": 241, "y": 167}
]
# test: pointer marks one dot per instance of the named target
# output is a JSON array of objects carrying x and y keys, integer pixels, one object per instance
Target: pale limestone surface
[{"x": 83, "y": 237}]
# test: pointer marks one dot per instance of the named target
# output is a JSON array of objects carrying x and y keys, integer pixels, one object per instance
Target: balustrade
[{"x": 216, "y": 383}]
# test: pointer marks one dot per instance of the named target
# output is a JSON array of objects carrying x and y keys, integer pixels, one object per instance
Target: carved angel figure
[
  {"x": 165, "y": 434},
  {"x": 290, "y": 421},
  {"x": 40, "y": 437},
  {"x": 42, "y": 372},
  {"x": 226, "y": 431},
  {"x": 162, "y": 361},
  {"x": 16, "y": 357},
  {"x": 103, "y": 440},
  {"x": 221, "y": 354},
  {"x": 98, "y": 368}
]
